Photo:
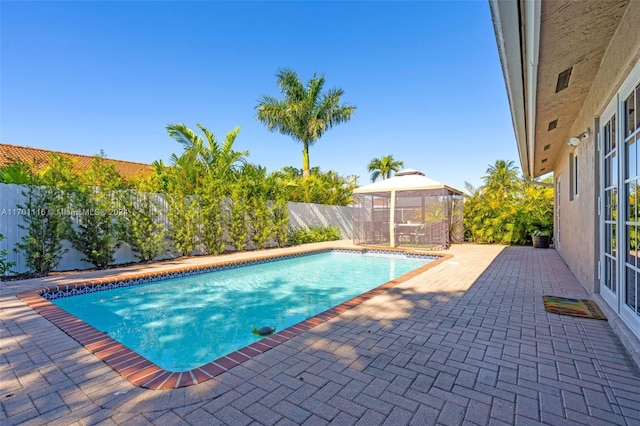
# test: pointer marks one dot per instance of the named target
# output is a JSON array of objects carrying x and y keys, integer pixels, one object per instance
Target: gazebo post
[{"x": 392, "y": 220}]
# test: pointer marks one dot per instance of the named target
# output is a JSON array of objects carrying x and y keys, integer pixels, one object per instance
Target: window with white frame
[{"x": 573, "y": 176}]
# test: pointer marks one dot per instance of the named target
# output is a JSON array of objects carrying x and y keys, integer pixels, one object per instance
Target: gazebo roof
[{"x": 405, "y": 180}]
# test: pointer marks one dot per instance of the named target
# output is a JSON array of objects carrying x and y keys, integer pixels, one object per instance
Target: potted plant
[
  {"x": 540, "y": 225},
  {"x": 541, "y": 238}
]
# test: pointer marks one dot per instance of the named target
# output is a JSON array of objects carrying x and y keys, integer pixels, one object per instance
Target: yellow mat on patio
[{"x": 583, "y": 308}]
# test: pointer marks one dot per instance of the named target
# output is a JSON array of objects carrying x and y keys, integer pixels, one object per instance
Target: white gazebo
[{"x": 408, "y": 209}]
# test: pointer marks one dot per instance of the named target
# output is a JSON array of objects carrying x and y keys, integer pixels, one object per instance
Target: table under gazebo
[{"x": 408, "y": 210}]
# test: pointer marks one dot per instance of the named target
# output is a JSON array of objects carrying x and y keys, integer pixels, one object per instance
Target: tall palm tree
[
  {"x": 382, "y": 167},
  {"x": 502, "y": 177},
  {"x": 305, "y": 112}
]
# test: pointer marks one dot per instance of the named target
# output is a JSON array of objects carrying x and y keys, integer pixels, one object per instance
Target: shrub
[
  {"x": 212, "y": 216},
  {"x": 96, "y": 233},
  {"x": 280, "y": 216},
  {"x": 46, "y": 227},
  {"x": 314, "y": 235},
  {"x": 140, "y": 225},
  {"x": 239, "y": 217},
  {"x": 183, "y": 212},
  {"x": 5, "y": 265},
  {"x": 46, "y": 223}
]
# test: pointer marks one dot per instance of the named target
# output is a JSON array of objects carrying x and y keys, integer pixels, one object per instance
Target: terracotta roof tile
[{"x": 126, "y": 169}]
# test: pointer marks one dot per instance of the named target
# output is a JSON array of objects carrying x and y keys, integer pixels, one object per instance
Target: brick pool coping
[{"x": 142, "y": 372}]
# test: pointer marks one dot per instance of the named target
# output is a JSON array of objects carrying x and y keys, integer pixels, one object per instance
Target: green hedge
[{"x": 314, "y": 235}]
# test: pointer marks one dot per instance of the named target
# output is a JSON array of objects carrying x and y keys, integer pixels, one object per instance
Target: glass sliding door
[
  {"x": 620, "y": 221},
  {"x": 631, "y": 136},
  {"x": 557, "y": 233},
  {"x": 609, "y": 212}
]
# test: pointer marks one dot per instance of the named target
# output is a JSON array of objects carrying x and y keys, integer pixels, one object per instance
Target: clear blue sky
[{"x": 425, "y": 76}]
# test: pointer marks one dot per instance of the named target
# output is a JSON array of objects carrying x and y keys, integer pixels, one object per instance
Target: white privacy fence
[{"x": 11, "y": 196}]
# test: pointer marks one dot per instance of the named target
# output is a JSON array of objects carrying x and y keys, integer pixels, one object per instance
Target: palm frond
[
  {"x": 290, "y": 84},
  {"x": 182, "y": 134},
  {"x": 314, "y": 90},
  {"x": 174, "y": 159}
]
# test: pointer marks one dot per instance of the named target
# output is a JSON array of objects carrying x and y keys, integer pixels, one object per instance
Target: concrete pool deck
[{"x": 465, "y": 342}]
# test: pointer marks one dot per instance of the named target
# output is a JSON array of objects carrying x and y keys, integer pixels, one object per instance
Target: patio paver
[{"x": 466, "y": 342}]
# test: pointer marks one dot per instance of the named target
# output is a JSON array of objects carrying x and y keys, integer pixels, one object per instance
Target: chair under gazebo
[{"x": 408, "y": 210}]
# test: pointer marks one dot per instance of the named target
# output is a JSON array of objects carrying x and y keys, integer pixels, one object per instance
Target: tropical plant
[
  {"x": 47, "y": 219},
  {"x": 537, "y": 209},
  {"x": 304, "y": 112},
  {"x": 95, "y": 233},
  {"x": 338, "y": 189},
  {"x": 319, "y": 188},
  {"x": 502, "y": 177},
  {"x": 383, "y": 167},
  {"x": 159, "y": 180},
  {"x": 507, "y": 209},
  {"x": 205, "y": 156},
  {"x": 197, "y": 184}
]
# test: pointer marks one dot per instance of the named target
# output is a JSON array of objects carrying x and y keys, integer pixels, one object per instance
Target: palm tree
[
  {"x": 502, "y": 177},
  {"x": 215, "y": 159},
  {"x": 305, "y": 112},
  {"x": 382, "y": 167}
]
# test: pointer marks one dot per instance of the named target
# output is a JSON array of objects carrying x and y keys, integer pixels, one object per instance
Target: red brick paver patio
[{"x": 465, "y": 342}]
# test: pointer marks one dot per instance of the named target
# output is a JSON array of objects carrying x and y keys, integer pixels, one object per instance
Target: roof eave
[{"x": 516, "y": 27}]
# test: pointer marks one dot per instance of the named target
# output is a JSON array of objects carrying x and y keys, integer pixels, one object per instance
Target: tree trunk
[{"x": 305, "y": 160}]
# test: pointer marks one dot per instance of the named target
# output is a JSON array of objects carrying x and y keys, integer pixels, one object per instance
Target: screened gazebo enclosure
[{"x": 408, "y": 210}]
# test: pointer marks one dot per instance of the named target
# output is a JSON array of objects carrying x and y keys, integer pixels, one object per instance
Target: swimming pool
[{"x": 203, "y": 328}]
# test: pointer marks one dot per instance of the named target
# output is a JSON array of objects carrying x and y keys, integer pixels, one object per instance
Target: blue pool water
[{"x": 183, "y": 323}]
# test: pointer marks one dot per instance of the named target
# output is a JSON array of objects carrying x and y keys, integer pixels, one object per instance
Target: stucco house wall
[
  {"x": 579, "y": 239},
  {"x": 576, "y": 220},
  {"x": 579, "y": 219}
]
